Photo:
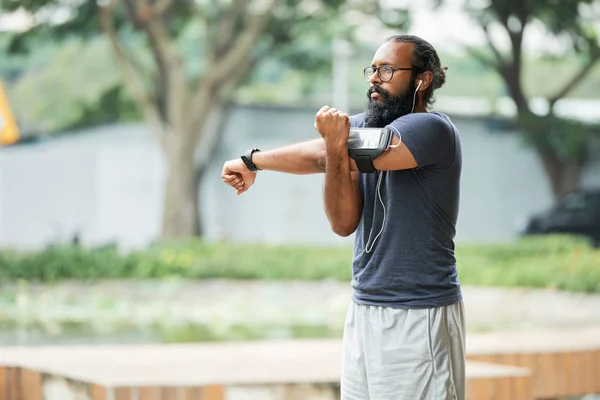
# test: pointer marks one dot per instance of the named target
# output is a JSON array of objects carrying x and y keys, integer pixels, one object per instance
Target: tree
[
  {"x": 561, "y": 144},
  {"x": 183, "y": 101}
]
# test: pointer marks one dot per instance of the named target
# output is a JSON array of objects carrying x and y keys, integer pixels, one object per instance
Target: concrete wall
[{"x": 107, "y": 185}]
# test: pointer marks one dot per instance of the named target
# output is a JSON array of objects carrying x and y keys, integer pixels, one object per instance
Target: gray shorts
[{"x": 399, "y": 354}]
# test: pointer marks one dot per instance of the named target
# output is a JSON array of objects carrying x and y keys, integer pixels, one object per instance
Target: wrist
[
  {"x": 248, "y": 160},
  {"x": 335, "y": 143},
  {"x": 258, "y": 158}
]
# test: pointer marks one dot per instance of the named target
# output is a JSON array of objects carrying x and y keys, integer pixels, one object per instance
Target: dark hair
[{"x": 425, "y": 58}]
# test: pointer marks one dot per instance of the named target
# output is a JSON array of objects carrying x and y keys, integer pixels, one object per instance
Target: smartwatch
[
  {"x": 366, "y": 144},
  {"x": 247, "y": 159}
]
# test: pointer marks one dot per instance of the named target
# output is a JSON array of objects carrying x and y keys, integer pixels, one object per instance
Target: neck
[{"x": 420, "y": 107}]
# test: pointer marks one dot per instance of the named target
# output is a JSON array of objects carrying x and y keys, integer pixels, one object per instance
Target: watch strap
[{"x": 247, "y": 159}]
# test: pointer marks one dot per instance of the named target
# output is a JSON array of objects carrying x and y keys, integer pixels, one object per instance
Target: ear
[{"x": 426, "y": 78}]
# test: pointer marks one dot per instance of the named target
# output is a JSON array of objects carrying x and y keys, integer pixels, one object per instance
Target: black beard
[{"x": 391, "y": 107}]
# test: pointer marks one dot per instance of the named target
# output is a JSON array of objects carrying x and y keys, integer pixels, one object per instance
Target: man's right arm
[{"x": 302, "y": 158}]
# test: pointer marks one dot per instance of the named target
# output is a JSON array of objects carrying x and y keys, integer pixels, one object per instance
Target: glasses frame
[{"x": 377, "y": 69}]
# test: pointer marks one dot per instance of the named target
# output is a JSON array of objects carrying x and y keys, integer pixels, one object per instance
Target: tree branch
[
  {"x": 169, "y": 63},
  {"x": 161, "y": 6},
  {"x": 575, "y": 80},
  {"x": 484, "y": 60},
  {"x": 209, "y": 48},
  {"x": 212, "y": 135},
  {"x": 501, "y": 13},
  {"x": 499, "y": 58},
  {"x": 131, "y": 74},
  {"x": 244, "y": 43},
  {"x": 236, "y": 58},
  {"x": 227, "y": 26},
  {"x": 199, "y": 122}
]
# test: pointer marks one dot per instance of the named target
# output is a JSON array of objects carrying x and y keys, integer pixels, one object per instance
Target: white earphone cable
[
  {"x": 369, "y": 246},
  {"x": 411, "y": 111}
]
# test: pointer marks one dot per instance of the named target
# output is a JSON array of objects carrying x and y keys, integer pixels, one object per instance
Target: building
[{"x": 105, "y": 185}]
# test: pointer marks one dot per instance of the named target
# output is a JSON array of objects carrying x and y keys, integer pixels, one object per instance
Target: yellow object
[{"x": 9, "y": 131}]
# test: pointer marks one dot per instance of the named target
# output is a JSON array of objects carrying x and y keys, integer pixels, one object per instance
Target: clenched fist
[
  {"x": 236, "y": 175},
  {"x": 333, "y": 125}
]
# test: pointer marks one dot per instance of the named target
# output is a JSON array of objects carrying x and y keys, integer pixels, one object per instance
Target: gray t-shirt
[{"x": 412, "y": 263}]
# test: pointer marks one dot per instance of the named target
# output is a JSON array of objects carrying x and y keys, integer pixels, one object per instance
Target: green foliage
[
  {"x": 113, "y": 106},
  {"x": 298, "y": 37},
  {"x": 558, "y": 262},
  {"x": 568, "y": 138},
  {"x": 570, "y": 22},
  {"x": 554, "y": 72},
  {"x": 82, "y": 23},
  {"x": 561, "y": 262},
  {"x": 60, "y": 262},
  {"x": 573, "y": 20},
  {"x": 78, "y": 77},
  {"x": 206, "y": 333}
]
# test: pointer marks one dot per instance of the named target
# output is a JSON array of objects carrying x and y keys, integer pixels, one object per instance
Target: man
[{"x": 404, "y": 331}]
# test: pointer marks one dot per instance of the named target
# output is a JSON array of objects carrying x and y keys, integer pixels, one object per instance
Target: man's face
[{"x": 394, "y": 98}]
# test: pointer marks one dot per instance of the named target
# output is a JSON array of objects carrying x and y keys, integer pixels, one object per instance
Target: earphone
[
  {"x": 415, "y": 96},
  {"x": 411, "y": 111},
  {"x": 367, "y": 247}
]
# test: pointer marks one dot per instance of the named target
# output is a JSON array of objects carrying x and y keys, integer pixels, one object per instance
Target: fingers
[
  {"x": 323, "y": 110},
  {"x": 244, "y": 186},
  {"x": 326, "y": 111},
  {"x": 237, "y": 175},
  {"x": 235, "y": 181},
  {"x": 329, "y": 110},
  {"x": 232, "y": 175}
]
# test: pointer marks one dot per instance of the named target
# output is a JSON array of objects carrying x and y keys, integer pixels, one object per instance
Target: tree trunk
[
  {"x": 564, "y": 175},
  {"x": 209, "y": 144},
  {"x": 180, "y": 212},
  {"x": 512, "y": 78},
  {"x": 187, "y": 163},
  {"x": 198, "y": 176}
]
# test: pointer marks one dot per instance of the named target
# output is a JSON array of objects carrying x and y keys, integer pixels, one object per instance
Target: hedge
[{"x": 561, "y": 262}]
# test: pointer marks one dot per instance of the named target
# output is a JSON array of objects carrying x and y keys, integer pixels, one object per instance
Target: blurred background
[{"x": 116, "y": 117}]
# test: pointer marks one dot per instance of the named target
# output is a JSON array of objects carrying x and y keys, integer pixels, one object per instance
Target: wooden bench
[
  {"x": 563, "y": 362},
  {"x": 270, "y": 370}
]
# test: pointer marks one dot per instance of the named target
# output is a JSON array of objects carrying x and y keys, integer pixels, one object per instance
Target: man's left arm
[
  {"x": 395, "y": 158},
  {"x": 341, "y": 194},
  {"x": 425, "y": 140}
]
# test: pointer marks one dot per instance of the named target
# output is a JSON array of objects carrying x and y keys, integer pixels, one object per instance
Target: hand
[
  {"x": 333, "y": 125},
  {"x": 237, "y": 175}
]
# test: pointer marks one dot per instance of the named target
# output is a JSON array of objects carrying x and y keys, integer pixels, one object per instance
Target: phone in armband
[{"x": 366, "y": 144}]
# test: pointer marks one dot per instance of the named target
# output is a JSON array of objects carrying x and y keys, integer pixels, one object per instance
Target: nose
[{"x": 375, "y": 78}]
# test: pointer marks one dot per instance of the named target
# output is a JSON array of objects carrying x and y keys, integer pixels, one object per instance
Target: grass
[
  {"x": 560, "y": 262},
  {"x": 554, "y": 262}
]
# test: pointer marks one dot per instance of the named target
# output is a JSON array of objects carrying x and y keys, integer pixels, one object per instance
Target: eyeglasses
[{"x": 385, "y": 72}]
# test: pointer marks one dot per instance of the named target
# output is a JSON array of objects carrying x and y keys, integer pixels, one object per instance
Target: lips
[{"x": 376, "y": 93}]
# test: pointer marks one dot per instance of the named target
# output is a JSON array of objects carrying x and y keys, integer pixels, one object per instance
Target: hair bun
[{"x": 441, "y": 77}]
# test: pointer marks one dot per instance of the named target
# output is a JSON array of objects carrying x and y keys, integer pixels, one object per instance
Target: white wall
[
  {"x": 107, "y": 183},
  {"x": 104, "y": 184}
]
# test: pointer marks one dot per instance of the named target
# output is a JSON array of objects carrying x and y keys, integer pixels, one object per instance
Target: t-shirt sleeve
[
  {"x": 357, "y": 120},
  {"x": 429, "y": 137}
]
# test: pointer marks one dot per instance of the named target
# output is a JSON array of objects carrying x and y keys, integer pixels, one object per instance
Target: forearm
[
  {"x": 343, "y": 204},
  {"x": 301, "y": 158}
]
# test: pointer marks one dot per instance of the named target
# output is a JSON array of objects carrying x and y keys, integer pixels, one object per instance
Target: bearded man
[{"x": 404, "y": 334}]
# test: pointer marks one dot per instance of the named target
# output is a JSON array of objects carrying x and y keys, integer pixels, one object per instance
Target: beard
[{"x": 379, "y": 114}]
